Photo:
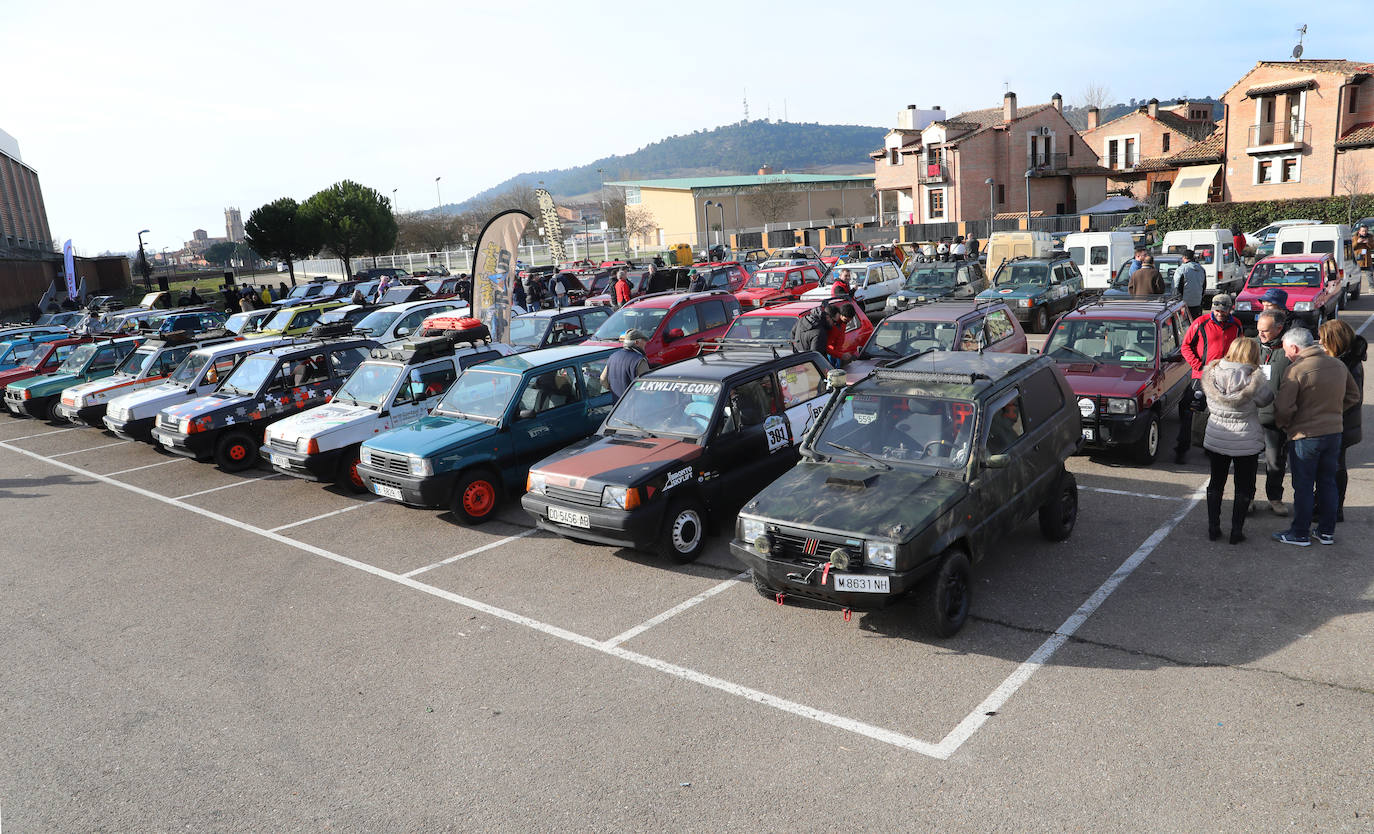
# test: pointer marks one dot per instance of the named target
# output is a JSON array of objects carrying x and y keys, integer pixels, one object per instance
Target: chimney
[
  {"x": 1092, "y": 118},
  {"x": 1058, "y": 102},
  {"x": 1009, "y": 107},
  {"x": 1152, "y": 108},
  {"x": 765, "y": 170}
]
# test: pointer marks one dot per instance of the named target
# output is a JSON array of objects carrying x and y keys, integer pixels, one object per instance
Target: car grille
[
  {"x": 791, "y": 545},
  {"x": 282, "y": 445},
  {"x": 386, "y": 482},
  {"x": 399, "y": 464},
  {"x": 584, "y": 497}
]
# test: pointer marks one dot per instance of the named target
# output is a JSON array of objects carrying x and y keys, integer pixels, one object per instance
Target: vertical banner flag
[
  {"x": 493, "y": 271},
  {"x": 69, "y": 263},
  {"x": 553, "y": 227}
]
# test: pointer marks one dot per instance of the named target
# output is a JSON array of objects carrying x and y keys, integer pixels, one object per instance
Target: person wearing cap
[
  {"x": 1190, "y": 281},
  {"x": 623, "y": 366},
  {"x": 1275, "y": 300},
  {"x": 1207, "y": 340}
]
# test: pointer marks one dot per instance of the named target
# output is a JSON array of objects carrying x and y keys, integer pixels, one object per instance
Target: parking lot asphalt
[{"x": 188, "y": 648}]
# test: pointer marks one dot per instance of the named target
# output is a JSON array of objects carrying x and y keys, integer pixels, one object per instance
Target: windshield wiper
[
  {"x": 635, "y": 426},
  {"x": 853, "y": 451},
  {"x": 887, "y": 348},
  {"x": 1074, "y": 350}
]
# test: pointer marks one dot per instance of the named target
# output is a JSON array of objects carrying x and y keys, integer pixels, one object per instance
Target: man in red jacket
[{"x": 1207, "y": 339}]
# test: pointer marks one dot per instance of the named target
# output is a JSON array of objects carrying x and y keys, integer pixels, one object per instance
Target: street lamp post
[
  {"x": 721, "y": 206},
  {"x": 143, "y": 263},
  {"x": 601, "y": 191},
  {"x": 991, "y": 190},
  {"x": 437, "y": 195},
  {"x": 1028, "y": 173}
]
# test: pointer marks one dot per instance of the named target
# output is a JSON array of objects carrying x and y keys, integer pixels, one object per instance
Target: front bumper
[
  {"x": 637, "y": 528},
  {"x": 798, "y": 580},
  {"x": 36, "y": 407},
  {"x": 199, "y": 446},
  {"x": 432, "y": 491},
  {"x": 318, "y": 467},
  {"x": 132, "y": 429},
  {"x": 90, "y": 415},
  {"x": 1106, "y": 431}
]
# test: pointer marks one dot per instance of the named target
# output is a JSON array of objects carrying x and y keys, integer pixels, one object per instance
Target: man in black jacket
[{"x": 812, "y": 330}]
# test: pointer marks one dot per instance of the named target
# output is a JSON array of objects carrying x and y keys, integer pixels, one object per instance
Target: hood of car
[
  {"x": 430, "y": 436},
  {"x": 202, "y": 406},
  {"x": 46, "y": 382},
  {"x": 925, "y": 292},
  {"x": 1006, "y": 291},
  {"x": 12, "y": 376},
  {"x": 856, "y": 500},
  {"x": 1105, "y": 380},
  {"x": 319, "y": 420},
  {"x": 155, "y": 396},
  {"x": 618, "y": 460}
]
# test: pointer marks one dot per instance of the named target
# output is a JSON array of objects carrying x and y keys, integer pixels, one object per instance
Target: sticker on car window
[{"x": 775, "y": 429}]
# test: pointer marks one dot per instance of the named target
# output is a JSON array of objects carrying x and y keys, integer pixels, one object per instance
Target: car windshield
[
  {"x": 1018, "y": 274},
  {"x": 895, "y": 428},
  {"x": 769, "y": 278},
  {"x": 303, "y": 291},
  {"x": 1286, "y": 275},
  {"x": 241, "y": 322},
  {"x": 643, "y": 319},
  {"x": 279, "y": 321},
  {"x": 930, "y": 275},
  {"x": 435, "y": 286},
  {"x": 1104, "y": 341},
  {"x": 369, "y": 384},
  {"x": 136, "y": 362},
  {"x": 762, "y": 327},
  {"x": 528, "y": 330},
  {"x": 666, "y": 406},
  {"x": 855, "y": 278},
  {"x": 895, "y": 338},
  {"x": 249, "y": 376},
  {"x": 834, "y": 250},
  {"x": 376, "y": 322},
  {"x": 186, "y": 373},
  {"x": 1166, "y": 271},
  {"x": 336, "y": 315},
  {"x": 77, "y": 360},
  {"x": 35, "y": 359},
  {"x": 479, "y": 394}
]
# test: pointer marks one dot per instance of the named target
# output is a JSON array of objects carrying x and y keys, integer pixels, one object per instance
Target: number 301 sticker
[{"x": 775, "y": 429}]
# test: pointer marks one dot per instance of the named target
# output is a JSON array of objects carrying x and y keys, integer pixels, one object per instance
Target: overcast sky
[{"x": 158, "y": 115}]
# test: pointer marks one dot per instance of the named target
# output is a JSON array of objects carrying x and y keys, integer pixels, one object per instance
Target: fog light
[
  {"x": 763, "y": 544},
  {"x": 839, "y": 558}
]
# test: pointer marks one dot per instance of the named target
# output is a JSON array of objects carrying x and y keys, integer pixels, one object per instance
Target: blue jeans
[{"x": 1313, "y": 463}]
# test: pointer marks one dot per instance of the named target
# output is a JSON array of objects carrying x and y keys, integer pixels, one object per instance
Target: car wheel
[
  {"x": 1147, "y": 448},
  {"x": 1040, "y": 320},
  {"x": 236, "y": 452},
  {"x": 1341, "y": 301},
  {"x": 50, "y": 411},
  {"x": 764, "y": 591},
  {"x": 1060, "y": 513},
  {"x": 348, "y": 476},
  {"x": 476, "y": 497},
  {"x": 1355, "y": 292},
  {"x": 684, "y": 532},
  {"x": 945, "y": 595}
]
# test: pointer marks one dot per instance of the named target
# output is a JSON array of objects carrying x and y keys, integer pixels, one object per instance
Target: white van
[
  {"x": 1003, "y": 246},
  {"x": 1323, "y": 239},
  {"x": 1098, "y": 253},
  {"x": 1215, "y": 251}
]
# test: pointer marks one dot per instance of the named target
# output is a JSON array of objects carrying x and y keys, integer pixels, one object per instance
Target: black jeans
[
  {"x": 1246, "y": 468},
  {"x": 1342, "y": 479},
  {"x": 1275, "y": 463},
  {"x": 1185, "y": 418}
]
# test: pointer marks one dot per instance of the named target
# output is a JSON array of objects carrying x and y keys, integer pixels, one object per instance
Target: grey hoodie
[{"x": 1235, "y": 392}]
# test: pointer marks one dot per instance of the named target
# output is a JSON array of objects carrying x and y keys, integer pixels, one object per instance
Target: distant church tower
[{"x": 233, "y": 225}]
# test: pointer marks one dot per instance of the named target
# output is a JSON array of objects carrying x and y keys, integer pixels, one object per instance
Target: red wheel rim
[
  {"x": 479, "y": 498},
  {"x": 353, "y": 476},
  {"x": 238, "y": 452}
]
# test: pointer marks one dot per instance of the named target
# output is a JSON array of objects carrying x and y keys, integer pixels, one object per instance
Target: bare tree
[
  {"x": 1094, "y": 94},
  {"x": 1351, "y": 178},
  {"x": 772, "y": 200},
  {"x": 426, "y": 231},
  {"x": 639, "y": 223},
  {"x": 833, "y": 212}
]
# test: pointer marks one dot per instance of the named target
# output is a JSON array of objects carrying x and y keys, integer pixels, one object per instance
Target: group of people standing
[
  {"x": 1288, "y": 394},
  {"x": 249, "y": 298},
  {"x": 959, "y": 249}
]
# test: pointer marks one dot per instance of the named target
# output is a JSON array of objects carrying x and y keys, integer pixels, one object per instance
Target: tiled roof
[
  {"x": 1196, "y": 131},
  {"x": 686, "y": 183},
  {"x": 1288, "y": 84},
  {"x": 1208, "y": 150},
  {"x": 1338, "y": 66},
  {"x": 983, "y": 120},
  {"x": 1359, "y": 136}
]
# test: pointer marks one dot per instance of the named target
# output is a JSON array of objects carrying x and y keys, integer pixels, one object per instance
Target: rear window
[
  {"x": 1323, "y": 247},
  {"x": 1076, "y": 254},
  {"x": 1291, "y": 247}
]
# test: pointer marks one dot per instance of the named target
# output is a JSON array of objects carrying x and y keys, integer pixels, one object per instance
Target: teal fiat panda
[
  {"x": 1037, "y": 289},
  {"x": 499, "y": 417}
]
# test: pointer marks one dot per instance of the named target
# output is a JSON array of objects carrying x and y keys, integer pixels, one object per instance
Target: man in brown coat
[
  {"x": 1146, "y": 280},
  {"x": 1316, "y": 391}
]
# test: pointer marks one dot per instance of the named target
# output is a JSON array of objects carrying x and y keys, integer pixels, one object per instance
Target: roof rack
[
  {"x": 332, "y": 330},
  {"x": 906, "y": 375},
  {"x": 721, "y": 344}
]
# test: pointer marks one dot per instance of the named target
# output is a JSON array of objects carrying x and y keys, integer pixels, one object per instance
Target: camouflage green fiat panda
[{"x": 912, "y": 475}]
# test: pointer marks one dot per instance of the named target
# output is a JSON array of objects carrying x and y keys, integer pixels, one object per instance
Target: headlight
[
  {"x": 620, "y": 498},
  {"x": 185, "y": 426},
  {"x": 1023, "y": 302},
  {"x": 880, "y": 554},
  {"x": 1121, "y": 405},
  {"x": 116, "y": 413},
  {"x": 536, "y": 482},
  {"x": 78, "y": 402},
  {"x": 365, "y": 456},
  {"x": 1302, "y": 307},
  {"x": 303, "y": 445},
  {"x": 421, "y": 467},
  {"x": 750, "y": 529},
  {"x": 1086, "y": 406}
]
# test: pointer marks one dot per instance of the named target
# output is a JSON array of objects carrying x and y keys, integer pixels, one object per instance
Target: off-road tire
[
  {"x": 684, "y": 531},
  {"x": 476, "y": 496},
  {"x": 235, "y": 452},
  {"x": 1040, "y": 320},
  {"x": 1060, "y": 513},
  {"x": 945, "y": 596},
  {"x": 1146, "y": 449},
  {"x": 764, "y": 591}
]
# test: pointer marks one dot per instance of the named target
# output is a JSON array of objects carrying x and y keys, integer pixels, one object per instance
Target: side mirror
[
  {"x": 997, "y": 461},
  {"x": 403, "y": 331},
  {"x": 673, "y": 335}
]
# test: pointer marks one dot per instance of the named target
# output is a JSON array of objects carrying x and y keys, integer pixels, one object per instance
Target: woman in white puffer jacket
[{"x": 1235, "y": 388}]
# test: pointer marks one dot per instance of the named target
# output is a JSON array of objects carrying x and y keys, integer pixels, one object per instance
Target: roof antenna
[{"x": 1297, "y": 50}]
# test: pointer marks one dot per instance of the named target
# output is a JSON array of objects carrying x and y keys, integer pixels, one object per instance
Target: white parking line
[
  {"x": 226, "y": 486},
  {"x": 1042, "y": 655},
  {"x": 1138, "y": 494},
  {"x": 943, "y": 750},
  {"x": 450, "y": 560},
  {"x": 148, "y": 466},
  {"x": 632, "y": 633},
  {"x": 40, "y": 434},
  {"x": 91, "y": 449},
  {"x": 327, "y": 515}
]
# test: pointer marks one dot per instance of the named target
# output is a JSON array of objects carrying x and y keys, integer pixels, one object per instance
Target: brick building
[
  {"x": 1300, "y": 129},
  {"x": 23, "y": 216},
  {"x": 1137, "y": 147},
  {"x": 940, "y": 172}
]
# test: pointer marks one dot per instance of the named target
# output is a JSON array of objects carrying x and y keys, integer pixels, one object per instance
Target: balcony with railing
[
  {"x": 1276, "y": 136},
  {"x": 1123, "y": 161},
  {"x": 933, "y": 172},
  {"x": 1047, "y": 164}
]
